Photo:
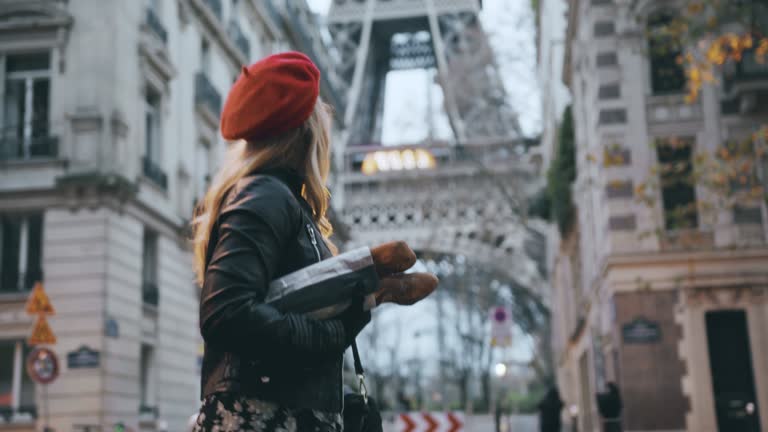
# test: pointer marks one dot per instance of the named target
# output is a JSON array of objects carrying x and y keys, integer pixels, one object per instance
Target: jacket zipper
[{"x": 312, "y": 238}]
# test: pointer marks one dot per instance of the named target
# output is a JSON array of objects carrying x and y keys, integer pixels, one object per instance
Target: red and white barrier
[{"x": 430, "y": 422}]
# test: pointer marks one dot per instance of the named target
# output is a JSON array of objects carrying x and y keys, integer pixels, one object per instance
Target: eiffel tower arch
[{"x": 471, "y": 199}]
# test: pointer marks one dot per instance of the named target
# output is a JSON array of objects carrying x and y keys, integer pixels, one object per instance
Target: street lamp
[{"x": 500, "y": 369}]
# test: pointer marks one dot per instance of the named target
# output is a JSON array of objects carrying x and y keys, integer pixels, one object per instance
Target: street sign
[
  {"x": 501, "y": 326},
  {"x": 42, "y": 365},
  {"x": 430, "y": 422},
  {"x": 83, "y": 358},
  {"x": 41, "y": 333},
  {"x": 641, "y": 330},
  {"x": 38, "y": 301}
]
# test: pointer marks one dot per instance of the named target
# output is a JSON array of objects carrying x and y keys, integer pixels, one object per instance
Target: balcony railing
[
  {"x": 14, "y": 147},
  {"x": 215, "y": 7},
  {"x": 156, "y": 26},
  {"x": 240, "y": 40},
  {"x": 206, "y": 94},
  {"x": 153, "y": 172},
  {"x": 149, "y": 293}
]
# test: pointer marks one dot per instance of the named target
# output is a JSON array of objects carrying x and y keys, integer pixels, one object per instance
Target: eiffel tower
[{"x": 373, "y": 37}]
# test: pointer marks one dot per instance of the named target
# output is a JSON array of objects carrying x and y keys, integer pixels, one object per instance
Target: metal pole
[{"x": 46, "y": 427}]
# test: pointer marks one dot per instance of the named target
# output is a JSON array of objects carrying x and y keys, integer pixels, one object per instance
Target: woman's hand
[{"x": 354, "y": 319}]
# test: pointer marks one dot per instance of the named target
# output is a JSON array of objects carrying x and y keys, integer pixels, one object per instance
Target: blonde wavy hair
[{"x": 305, "y": 149}]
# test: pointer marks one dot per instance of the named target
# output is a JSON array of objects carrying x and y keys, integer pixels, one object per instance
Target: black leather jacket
[{"x": 263, "y": 232}]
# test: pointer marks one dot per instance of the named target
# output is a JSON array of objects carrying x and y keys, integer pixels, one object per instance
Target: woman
[{"x": 264, "y": 217}]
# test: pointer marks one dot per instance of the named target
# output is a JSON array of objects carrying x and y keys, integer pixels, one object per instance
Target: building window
[
  {"x": 149, "y": 292},
  {"x": 604, "y": 28},
  {"x": 153, "y": 125},
  {"x": 609, "y": 91},
  {"x": 676, "y": 178},
  {"x": 153, "y": 131},
  {"x": 203, "y": 168},
  {"x": 21, "y": 260},
  {"x": 205, "y": 57},
  {"x": 154, "y": 20},
  {"x": 667, "y": 75},
  {"x": 607, "y": 59},
  {"x": 147, "y": 379},
  {"x": 612, "y": 116},
  {"x": 17, "y": 391},
  {"x": 25, "y": 127}
]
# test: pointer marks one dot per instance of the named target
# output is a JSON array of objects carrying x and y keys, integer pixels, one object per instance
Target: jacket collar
[{"x": 289, "y": 176}]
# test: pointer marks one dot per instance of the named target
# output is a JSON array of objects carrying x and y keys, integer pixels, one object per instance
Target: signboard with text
[{"x": 641, "y": 330}]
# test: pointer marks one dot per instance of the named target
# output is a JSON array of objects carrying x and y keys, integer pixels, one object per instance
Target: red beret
[{"x": 271, "y": 96}]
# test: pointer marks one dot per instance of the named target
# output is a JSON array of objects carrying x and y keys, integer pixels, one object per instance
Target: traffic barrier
[{"x": 430, "y": 422}]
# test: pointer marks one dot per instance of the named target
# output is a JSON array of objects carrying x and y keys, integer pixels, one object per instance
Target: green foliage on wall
[{"x": 562, "y": 172}]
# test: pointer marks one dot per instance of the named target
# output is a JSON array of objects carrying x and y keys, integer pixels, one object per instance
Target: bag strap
[{"x": 359, "y": 372}]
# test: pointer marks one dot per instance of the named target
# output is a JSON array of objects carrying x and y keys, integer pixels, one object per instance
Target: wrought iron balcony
[
  {"x": 153, "y": 172},
  {"x": 13, "y": 147},
  {"x": 215, "y": 7},
  {"x": 240, "y": 40},
  {"x": 206, "y": 94},
  {"x": 149, "y": 293},
  {"x": 156, "y": 26}
]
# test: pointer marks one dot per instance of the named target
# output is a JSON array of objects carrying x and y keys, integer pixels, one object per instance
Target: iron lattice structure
[
  {"x": 373, "y": 37},
  {"x": 471, "y": 201}
]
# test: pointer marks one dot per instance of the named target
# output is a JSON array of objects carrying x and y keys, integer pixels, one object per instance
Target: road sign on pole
[
  {"x": 42, "y": 365},
  {"x": 42, "y": 333},
  {"x": 38, "y": 302},
  {"x": 501, "y": 326}
]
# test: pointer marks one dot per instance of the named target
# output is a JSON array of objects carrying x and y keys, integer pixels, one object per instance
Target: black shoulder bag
[{"x": 360, "y": 411}]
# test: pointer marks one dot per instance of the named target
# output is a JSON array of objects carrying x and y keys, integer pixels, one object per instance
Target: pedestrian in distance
[
  {"x": 609, "y": 405},
  {"x": 264, "y": 217},
  {"x": 550, "y": 409}
]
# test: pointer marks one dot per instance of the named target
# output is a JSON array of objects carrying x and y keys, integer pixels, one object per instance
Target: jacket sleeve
[{"x": 254, "y": 229}]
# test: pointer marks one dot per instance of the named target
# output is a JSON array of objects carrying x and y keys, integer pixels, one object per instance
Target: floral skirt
[{"x": 231, "y": 413}]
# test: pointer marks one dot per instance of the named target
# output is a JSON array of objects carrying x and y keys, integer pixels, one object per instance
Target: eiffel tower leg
[
  {"x": 360, "y": 62},
  {"x": 473, "y": 78},
  {"x": 443, "y": 73}
]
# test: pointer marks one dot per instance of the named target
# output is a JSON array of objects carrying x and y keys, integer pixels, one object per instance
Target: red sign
[{"x": 42, "y": 365}]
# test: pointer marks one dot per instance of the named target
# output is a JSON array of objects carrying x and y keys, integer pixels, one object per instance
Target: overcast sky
[{"x": 510, "y": 27}]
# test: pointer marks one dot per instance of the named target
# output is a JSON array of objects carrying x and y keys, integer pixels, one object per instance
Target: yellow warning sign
[
  {"x": 38, "y": 302},
  {"x": 42, "y": 333}
]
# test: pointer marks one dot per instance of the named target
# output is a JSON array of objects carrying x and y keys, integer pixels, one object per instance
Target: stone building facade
[
  {"x": 109, "y": 133},
  {"x": 676, "y": 314}
]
